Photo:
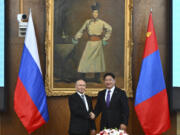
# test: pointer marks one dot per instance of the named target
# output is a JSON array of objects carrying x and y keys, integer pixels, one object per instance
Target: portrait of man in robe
[
  {"x": 88, "y": 41},
  {"x": 84, "y": 40}
]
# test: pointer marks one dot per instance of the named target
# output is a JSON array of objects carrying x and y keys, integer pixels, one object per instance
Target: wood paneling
[{"x": 58, "y": 106}]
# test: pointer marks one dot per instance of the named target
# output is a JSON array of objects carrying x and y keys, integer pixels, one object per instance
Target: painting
[{"x": 84, "y": 40}]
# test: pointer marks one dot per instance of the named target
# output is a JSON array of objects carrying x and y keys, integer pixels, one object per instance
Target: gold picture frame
[{"x": 63, "y": 90}]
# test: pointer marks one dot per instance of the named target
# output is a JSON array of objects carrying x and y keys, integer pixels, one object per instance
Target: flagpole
[
  {"x": 30, "y": 10},
  {"x": 21, "y": 6}
]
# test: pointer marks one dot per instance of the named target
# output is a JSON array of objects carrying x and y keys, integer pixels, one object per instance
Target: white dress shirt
[
  {"x": 85, "y": 100},
  {"x": 111, "y": 93}
]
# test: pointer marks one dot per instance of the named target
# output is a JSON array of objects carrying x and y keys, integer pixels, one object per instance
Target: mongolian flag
[{"x": 151, "y": 102}]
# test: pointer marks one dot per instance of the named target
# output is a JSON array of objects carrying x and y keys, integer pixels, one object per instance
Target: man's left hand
[
  {"x": 123, "y": 127},
  {"x": 93, "y": 132}
]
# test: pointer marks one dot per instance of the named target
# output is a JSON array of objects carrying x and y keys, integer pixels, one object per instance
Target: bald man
[{"x": 80, "y": 107}]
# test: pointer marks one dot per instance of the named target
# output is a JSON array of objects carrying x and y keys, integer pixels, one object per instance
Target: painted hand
[
  {"x": 74, "y": 42},
  {"x": 104, "y": 42}
]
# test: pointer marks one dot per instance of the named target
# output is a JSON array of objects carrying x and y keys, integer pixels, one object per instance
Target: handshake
[{"x": 92, "y": 115}]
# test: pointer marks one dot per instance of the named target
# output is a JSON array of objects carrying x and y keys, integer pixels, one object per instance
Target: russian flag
[
  {"x": 151, "y": 102},
  {"x": 30, "y": 97}
]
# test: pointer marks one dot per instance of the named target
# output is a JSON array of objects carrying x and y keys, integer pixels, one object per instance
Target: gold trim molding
[{"x": 128, "y": 46}]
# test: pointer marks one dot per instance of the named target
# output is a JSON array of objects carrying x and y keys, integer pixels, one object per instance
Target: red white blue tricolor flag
[
  {"x": 30, "y": 97},
  {"x": 151, "y": 102}
]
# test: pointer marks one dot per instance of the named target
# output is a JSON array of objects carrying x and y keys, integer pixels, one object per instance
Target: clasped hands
[{"x": 92, "y": 115}]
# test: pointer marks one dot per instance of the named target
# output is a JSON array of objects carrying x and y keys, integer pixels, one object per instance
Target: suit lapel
[
  {"x": 81, "y": 101},
  {"x": 113, "y": 96},
  {"x": 88, "y": 101},
  {"x": 103, "y": 96}
]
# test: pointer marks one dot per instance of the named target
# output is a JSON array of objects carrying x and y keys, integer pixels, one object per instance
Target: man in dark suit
[
  {"x": 113, "y": 104},
  {"x": 80, "y": 107}
]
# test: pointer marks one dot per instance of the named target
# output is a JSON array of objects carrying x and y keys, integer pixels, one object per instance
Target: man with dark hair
[
  {"x": 92, "y": 60},
  {"x": 109, "y": 74},
  {"x": 113, "y": 104},
  {"x": 80, "y": 107}
]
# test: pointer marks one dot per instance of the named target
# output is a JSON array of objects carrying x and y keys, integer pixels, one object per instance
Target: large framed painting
[{"x": 84, "y": 40}]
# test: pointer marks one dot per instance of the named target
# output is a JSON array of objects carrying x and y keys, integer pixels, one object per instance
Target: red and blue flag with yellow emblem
[{"x": 151, "y": 101}]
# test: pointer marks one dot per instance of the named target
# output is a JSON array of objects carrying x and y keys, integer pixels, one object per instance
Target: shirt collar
[
  {"x": 112, "y": 89},
  {"x": 80, "y": 94}
]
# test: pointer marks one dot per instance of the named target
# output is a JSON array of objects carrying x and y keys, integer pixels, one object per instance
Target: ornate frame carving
[{"x": 128, "y": 46}]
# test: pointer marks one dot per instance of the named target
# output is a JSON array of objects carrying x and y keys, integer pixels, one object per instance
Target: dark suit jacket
[
  {"x": 80, "y": 122},
  {"x": 118, "y": 111}
]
